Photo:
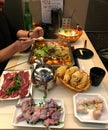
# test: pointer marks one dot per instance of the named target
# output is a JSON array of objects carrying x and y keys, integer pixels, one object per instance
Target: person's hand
[
  {"x": 23, "y": 44},
  {"x": 37, "y": 32}
]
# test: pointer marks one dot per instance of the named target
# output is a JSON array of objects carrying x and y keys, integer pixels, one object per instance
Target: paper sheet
[{"x": 46, "y": 6}]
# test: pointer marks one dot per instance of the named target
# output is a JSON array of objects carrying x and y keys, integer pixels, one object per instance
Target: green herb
[
  {"x": 15, "y": 86},
  {"x": 59, "y": 123},
  {"x": 41, "y": 104},
  {"x": 34, "y": 123},
  {"x": 59, "y": 107},
  {"x": 44, "y": 98},
  {"x": 48, "y": 128}
]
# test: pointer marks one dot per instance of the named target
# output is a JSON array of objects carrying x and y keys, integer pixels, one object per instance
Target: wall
[
  {"x": 79, "y": 8},
  {"x": 97, "y": 16},
  {"x": 70, "y": 6}
]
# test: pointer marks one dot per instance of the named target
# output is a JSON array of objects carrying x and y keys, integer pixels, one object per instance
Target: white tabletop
[{"x": 59, "y": 91}]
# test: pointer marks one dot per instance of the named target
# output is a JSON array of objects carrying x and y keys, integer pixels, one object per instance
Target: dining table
[{"x": 19, "y": 61}]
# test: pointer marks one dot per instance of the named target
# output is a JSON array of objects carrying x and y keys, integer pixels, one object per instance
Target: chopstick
[
  {"x": 85, "y": 44},
  {"x": 16, "y": 65},
  {"x": 35, "y": 39}
]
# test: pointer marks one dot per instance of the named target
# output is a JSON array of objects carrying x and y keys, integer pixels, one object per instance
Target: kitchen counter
[{"x": 59, "y": 91}]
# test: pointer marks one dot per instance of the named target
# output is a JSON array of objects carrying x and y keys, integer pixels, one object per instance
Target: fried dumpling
[
  {"x": 73, "y": 83},
  {"x": 76, "y": 76},
  {"x": 61, "y": 71},
  {"x": 73, "y": 69},
  {"x": 66, "y": 78},
  {"x": 83, "y": 81}
]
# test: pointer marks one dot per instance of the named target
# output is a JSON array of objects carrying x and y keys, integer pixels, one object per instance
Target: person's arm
[
  {"x": 8, "y": 52},
  {"x": 20, "y": 45},
  {"x": 37, "y": 32},
  {"x": 17, "y": 46}
]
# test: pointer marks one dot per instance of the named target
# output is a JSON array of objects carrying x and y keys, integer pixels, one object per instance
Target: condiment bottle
[{"x": 27, "y": 17}]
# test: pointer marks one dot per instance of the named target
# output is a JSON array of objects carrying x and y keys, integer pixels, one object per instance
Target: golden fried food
[
  {"x": 73, "y": 78},
  {"x": 66, "y": 77},
  {"x": 77, "y": 75},
  {"x": 61, "y": 71},
  {"x": 72, "y": 69}
]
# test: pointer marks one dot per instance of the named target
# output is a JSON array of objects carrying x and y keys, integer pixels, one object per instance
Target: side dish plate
[
  {"x": 7, "y": 79},
  {"x": 39, "y": 124},
  {"x": 88, "y": 118}
]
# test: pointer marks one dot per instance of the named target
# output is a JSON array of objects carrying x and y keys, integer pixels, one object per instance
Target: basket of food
[
  {"x": 70, "y": 34},
  {"x": 73, "y": 78}
]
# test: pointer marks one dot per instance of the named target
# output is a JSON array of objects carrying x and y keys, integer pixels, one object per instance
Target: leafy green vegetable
[
  {"x": 59, "y": 107},
  {"x": 46, "y": 51},
  {"x": 15, "y": 86}
]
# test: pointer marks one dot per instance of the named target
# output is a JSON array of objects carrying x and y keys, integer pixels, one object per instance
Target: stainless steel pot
[{"x": 43, "y": 77}]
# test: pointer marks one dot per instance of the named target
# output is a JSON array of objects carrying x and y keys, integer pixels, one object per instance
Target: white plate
[
  {"x": 87, "y": 118},
  {"x": 2, "y": 80},
  {"x": 37, "y": 101}
]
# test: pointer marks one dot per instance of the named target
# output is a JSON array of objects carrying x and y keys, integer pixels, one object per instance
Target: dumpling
[
  {"x": 98, "y": 100},
  {"x": 82, "y": 101},
  {"x": 99, "y": 106},
  {"x": 82, "y": 109},
  {"x": 73, "y": 69},
  {"x": 83, "y": 81},
  {"x": 97, "y": 114},
  {"x": 61, "y": 71},
  {"x": 66, "y": 78},
  {"x": 76, "y": 76},
  {"x": 73, "y": 83}
]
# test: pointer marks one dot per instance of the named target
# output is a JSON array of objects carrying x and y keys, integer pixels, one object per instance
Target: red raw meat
[{"x": 9, "y": 81}]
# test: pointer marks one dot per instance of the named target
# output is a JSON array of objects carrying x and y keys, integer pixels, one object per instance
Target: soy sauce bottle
[{"x": 27, "y": 17}]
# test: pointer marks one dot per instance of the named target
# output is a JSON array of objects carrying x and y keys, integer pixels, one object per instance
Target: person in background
[{"x": 12, "y": 40}]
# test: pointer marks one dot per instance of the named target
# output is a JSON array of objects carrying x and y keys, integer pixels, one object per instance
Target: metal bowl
[{"x": 71, "y": 34}]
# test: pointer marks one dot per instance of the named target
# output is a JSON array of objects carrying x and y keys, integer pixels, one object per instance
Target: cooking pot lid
[{"x": 43, "y": 73}]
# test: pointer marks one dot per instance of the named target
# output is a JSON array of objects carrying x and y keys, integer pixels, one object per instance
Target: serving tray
[
  {"x": 39, "y": 124},
  {"x": 88, "y": 118},
  {"x": 54, "y": 52}
]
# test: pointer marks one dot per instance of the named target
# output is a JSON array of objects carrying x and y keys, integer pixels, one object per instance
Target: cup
[{"x": 96, "y": 75}]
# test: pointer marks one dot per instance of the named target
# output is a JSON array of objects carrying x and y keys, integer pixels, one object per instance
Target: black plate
[{"x": 83, "y": 53}]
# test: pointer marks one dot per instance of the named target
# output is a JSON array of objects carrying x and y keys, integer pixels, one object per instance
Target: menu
[{"x": 47, "y": 6}]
